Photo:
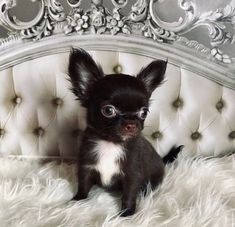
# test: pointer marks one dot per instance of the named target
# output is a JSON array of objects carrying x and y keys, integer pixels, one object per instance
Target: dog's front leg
[
  {"x": 85, "y": 182},
  {"x": 131, "y": 189}
]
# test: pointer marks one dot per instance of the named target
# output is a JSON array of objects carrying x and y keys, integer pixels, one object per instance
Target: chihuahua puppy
[{"x": 113, "y": 153}]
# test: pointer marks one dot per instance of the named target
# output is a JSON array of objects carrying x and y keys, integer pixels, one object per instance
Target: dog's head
[{"x": 117, "y": 104}]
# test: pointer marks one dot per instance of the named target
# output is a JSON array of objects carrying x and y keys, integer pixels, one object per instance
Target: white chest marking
[{"x": 109, "y": 155}]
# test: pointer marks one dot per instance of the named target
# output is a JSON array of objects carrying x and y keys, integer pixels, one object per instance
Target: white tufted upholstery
[{"x": 40, "y": 117}]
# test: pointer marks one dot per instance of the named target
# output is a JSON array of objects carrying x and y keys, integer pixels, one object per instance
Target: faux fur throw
[{"x": 195, "y": 192}]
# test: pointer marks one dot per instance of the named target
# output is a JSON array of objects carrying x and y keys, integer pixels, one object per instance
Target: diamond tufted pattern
[{"x": 39, "y": 115}]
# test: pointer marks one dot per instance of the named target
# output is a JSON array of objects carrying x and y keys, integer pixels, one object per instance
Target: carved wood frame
[{"x": 141, "y": 31}]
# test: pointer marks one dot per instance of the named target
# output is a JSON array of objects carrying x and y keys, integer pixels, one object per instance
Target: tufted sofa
[{"x": 40, "y": 118}]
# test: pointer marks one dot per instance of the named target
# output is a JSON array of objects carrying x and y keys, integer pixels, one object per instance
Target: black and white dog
[{"x": 113, "y": 153}]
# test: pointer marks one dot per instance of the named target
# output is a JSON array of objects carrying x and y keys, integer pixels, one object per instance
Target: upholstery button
[
  {"x": 57, "y": 101},
  {"x": 156, "y": 135},
  {"x": 117, "y": 69},
  {"x": 2, "y": 132},
  {"x": 196, "y": 136},
  {"x": 39, "y": 131},
  {"x": 220, "y": 105},
  {"x": 178, "y": 103},
  {"x": 232, "y": 135},
  {"x": 17, "y": 100}
]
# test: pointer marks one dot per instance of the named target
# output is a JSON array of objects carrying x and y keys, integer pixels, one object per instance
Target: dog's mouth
[{"x": 128, "y": 135}]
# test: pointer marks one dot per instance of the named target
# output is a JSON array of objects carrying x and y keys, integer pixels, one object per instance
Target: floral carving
[
  {"x": 78, "y": 22},
  {"x": 157, "y": 33},
  {"x": 41, "y": 30},
  {"x": 142, "y": 20},
  {"x": 218, "y": 54},
  {"x": 98, "y": 19},
  {"x": 116, "y": 23},
  {"x": 215, "y": 21},
  {"x": 51, "y": 12}
]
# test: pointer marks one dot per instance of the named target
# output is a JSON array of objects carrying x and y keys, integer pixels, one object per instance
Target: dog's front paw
[
  {"x": 79, "y": 196},
  {"x": 127, "y": 212}
]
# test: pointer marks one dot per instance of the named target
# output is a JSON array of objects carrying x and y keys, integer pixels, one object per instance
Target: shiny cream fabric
[{"x": 39, "y": 115}]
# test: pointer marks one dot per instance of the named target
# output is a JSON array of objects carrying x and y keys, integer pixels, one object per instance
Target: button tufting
[
  {"x": 17, "y": 100},
  {"x": 156, "y": 135},
  {"x": 178, "y": 103},
  {"x": 196, "y": 136},
  {"x": 57, "y": 101},
  {"x": 220, "y": 105},
  {"x": 2, "y": 132},
  {"x": 117, "y": 69},
  {"x": 232, "y": 135},
  {"x": 39, "y": 131}
]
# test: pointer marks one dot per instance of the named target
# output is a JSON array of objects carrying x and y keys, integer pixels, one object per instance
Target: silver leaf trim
[{"x": 142, "y": 21}]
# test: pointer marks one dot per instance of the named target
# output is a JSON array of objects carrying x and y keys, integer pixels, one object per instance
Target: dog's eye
[
  {"x": 109, "y": 111},
  {"x": 142, "y": 114}
]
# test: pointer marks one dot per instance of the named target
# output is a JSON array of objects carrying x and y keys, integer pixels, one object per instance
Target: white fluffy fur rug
[{"x": 195, "y": 192}]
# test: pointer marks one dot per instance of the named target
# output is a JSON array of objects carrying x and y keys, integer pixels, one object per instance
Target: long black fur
[{"x": 142, "y": 164}]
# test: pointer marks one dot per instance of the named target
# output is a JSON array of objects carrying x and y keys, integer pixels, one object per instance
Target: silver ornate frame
[{"x": 139, "y": 31}]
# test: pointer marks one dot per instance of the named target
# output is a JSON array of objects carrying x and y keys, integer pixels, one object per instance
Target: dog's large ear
[
  {"x": 83, "y": 72},
  {"x": 152, "y": 75}
]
